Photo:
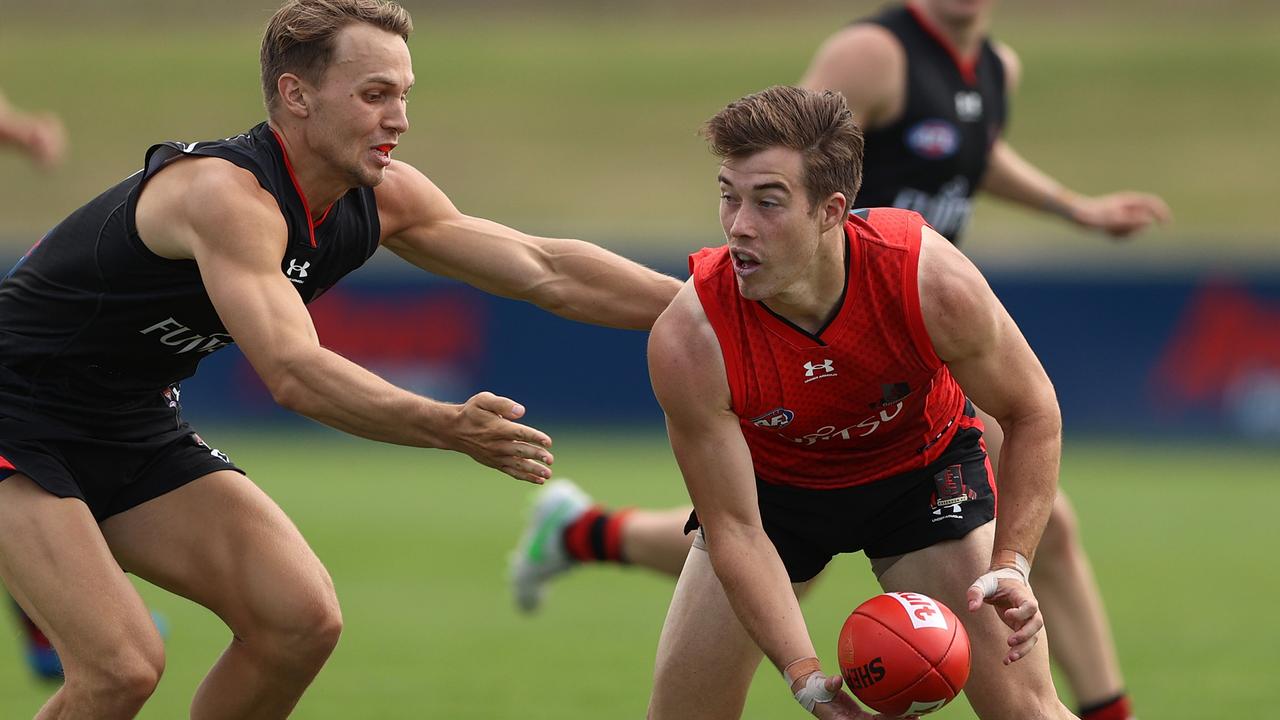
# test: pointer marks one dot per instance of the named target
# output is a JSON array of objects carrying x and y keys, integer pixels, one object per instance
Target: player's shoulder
[
  {"x": 406, "y": 197},
  {"x": 212, "y": 189},
  {"x": 888, "y": 226},
  {"x": 682, "y": 317},
  {"x": 866, "y": 39},
  {"x": 955, "y": 299},
  {"x": 686, "y": 365},
  {"x": 1010, "y": 62},
  {"x": 863, "y": 49}
]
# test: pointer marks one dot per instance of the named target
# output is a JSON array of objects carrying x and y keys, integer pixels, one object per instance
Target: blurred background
[{"x": 580, "y": 119}]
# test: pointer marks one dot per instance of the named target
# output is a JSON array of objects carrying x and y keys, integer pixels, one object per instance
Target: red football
[{"x": 904, "y": 654}]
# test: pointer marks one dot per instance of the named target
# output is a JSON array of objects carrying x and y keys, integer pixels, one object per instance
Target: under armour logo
[
  {"x": 968, "y": 105},
  {"x": 818, "y": 371},
  {"x": 302, "y": 270}
]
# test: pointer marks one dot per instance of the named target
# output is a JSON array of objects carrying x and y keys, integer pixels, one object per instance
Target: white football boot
[{"x": 541, "y": 555}]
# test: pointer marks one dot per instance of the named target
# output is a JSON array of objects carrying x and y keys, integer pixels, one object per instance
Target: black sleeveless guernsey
[
  {"x": 96, "y": 330},
  {"x": 932, "y": 158}
]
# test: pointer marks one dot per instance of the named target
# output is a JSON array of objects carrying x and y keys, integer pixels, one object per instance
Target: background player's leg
[
  {"x": 56, "y": 564},
  {"x": 1071, "y": 602},
  {"x": 1020, "y": 691},
  {"x": 656, "y": 539},
  {"x": 1074, "y": 615},
  {"x": 221, "y": 542},
  {"x": 705, "y": 658},
  {"x": 39, "y": 653},
  {"x": 566, "y": 528}
]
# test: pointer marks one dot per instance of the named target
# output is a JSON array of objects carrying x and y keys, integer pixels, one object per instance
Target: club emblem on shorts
[
  {"x": 173, "y": 394},
  {"x": 817, "y": 371},
  {"x": 212, "y": 450},
  {"x": 774, "y": 419},
  {"x": 950, "y": 493}
]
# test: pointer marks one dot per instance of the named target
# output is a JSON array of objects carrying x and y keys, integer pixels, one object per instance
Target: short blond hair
[{"x": 299, "y": 37}]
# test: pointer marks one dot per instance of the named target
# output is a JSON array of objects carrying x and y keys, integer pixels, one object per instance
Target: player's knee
[
  {"x": 305, "y": 632},
  {"x": 122, "y": 679}
]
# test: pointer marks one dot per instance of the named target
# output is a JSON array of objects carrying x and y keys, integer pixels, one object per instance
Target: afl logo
[
  {"x": 779, "y": 418},
  {"x": 933, "y": 139}
]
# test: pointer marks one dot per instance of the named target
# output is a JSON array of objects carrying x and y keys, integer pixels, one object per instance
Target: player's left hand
[
  {"x": 1121, "y": 214},
  {"x": 1008, "y": 591}
]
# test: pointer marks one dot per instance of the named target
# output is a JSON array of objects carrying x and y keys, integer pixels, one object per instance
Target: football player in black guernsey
[{"x": 226, "y": 241}]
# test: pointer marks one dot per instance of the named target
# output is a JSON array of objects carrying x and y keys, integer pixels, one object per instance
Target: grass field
[
  {"x": 416, "y": 541},
  {"x": 573, "y": 118}
]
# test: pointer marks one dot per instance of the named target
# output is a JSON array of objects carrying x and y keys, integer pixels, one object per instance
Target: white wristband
[{"x": 814, "y": 691}]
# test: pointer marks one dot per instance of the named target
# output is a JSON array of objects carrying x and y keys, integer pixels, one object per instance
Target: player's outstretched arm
[
  {"x": 210, "y": 211},
  {"x": 987, "y": 355},
  {"x": 1013, "y": 178},
  {"x": 571, "y": 278},
  {"x": 687, "y": 371},
  {"x": 1119, "y": 214}
]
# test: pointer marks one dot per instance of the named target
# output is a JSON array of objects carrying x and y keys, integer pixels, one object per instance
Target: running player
[
  {"x": 226, "y": 241},
  {"x": 931, "y": 90},
  {"x": 816, "y": 373}
]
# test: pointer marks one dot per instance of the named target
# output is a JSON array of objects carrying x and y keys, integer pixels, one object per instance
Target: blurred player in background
[
  {"x": 41, "y": 137},
  {"x": 810, "y": 319},
  {"x": 226, "y": 241},
  {"x": 930, "y": 89}
]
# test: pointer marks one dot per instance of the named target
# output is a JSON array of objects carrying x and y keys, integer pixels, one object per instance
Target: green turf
[
  {"x": 582, "y": 121},
  {"x": 416, "y": 542}
]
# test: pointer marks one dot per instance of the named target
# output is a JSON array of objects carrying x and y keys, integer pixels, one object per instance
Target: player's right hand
[
  {"x": 483, "y": 429},
  {"x": 841, "y": 706},
  {"x": 1008, "y": 591}
]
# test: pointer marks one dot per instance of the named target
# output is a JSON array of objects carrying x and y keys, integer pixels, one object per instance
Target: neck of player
[
  {"x": 814, "y": 298},
  {"x": 316, "y": 180},
  {"x": 965, "y": 33}
]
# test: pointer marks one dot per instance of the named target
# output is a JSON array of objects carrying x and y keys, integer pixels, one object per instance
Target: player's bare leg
[
  {"x": 1071, "y": 602},
  {"x": 656, "y": 539},
  {"x": 1074, "y": 616},
  {"x": 706, "y": 660},
  {"x": 567, "y": 529},
  {"x": 221, "y": 542},
  {"x": 55, "y": 562},
  {"x": 1019, "y": 691}
]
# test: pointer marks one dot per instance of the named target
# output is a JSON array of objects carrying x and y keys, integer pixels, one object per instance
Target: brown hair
[
  {"x": 299, "y": 37},
  {"x": 816, "y": 124}
]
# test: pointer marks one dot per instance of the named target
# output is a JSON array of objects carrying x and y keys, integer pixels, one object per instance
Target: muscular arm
[
  {"x": 571, "y": 278},
  {"x": 210, "y": 211},
  {"x": 867, "y": 65},
  {"x": 687, "y": 371},
  {"x": 987, "y": 355},
  {"x": 1011, "y": 177}
]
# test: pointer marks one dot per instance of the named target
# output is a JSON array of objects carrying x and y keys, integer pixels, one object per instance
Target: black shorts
[
  {"x": 897, "y": 515},
  {"x": 109, "y": 475}
]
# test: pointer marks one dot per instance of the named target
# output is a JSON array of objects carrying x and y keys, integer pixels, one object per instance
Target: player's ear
[
  {"x": 293, "y": 95},
  {"x": 834, "y": 210}
]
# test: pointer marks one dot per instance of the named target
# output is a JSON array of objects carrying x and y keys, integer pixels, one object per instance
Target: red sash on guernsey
[{"x": 865, "y": 399}]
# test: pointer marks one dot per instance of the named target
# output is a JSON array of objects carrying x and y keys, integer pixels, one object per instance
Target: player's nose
[{"x": 742, "y": 225}]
